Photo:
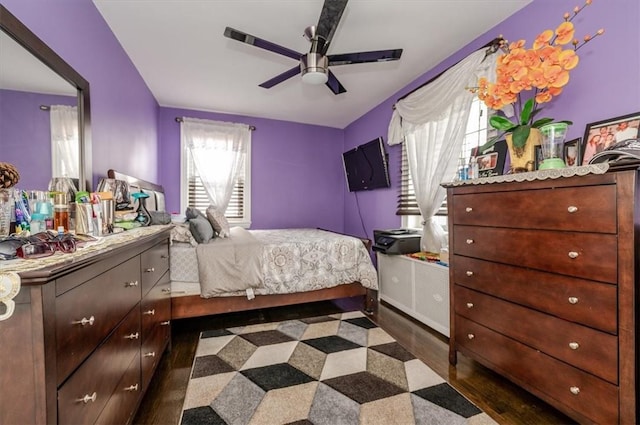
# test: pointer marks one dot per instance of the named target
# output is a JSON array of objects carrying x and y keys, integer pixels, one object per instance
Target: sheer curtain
[
  {"x": 218, "y": 150},
  {"x": 432, "y": 122},
  {"x": 65, "y": 148}
]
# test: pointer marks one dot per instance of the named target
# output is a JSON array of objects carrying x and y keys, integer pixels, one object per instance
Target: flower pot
[{"x": 523, "y": 159}]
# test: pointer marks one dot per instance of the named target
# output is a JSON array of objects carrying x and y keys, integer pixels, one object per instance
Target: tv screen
[{"x": 366, "y": 167}]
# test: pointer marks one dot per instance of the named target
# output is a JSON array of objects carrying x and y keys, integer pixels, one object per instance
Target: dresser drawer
[
  {"x": 578, "y": 393},
  {"x": 584, "y": 209},
  {"x": 155, "y": 307},
  {"x": 121, "y": 406},
  {"x": 152, "y": 349},
  {"x": 87, "y": 391},
  {"x": 87, "y": 313},
  {"x": 154, "y": 262},
  {"x": 580, "y": 346},
  {"x": 578, "y": 300},
  {"x": 586, "y": 255}
]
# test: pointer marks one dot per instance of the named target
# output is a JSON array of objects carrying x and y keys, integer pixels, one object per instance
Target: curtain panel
[
  {"x": 65, "y": 146},
  {"x": 432, "y": 123}
]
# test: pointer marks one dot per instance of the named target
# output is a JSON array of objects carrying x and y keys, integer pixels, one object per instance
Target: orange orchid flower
[{"x": 564, "y": 33}]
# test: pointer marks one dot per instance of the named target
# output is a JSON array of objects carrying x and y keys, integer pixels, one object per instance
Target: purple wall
[
  {"x": 25, "y": 132},
  {"x": 605, "y": 84},
  {"x": 123, "y": 111},
  {"x": 296, "y": 175}
]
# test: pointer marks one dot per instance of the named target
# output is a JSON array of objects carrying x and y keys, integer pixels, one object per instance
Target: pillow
[
  {"x": 193, "y": 212},
  {"x": 181, "y": 233},
  {"x": 201, "y": 229},
  {"x": 218, "y": 222}
]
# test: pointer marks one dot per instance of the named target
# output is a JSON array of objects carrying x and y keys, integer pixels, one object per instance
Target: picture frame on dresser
[
  {"x": 537, "y": 157},
  {"x": 571, "y": 152},
  {"x": 601, "y": 134}
]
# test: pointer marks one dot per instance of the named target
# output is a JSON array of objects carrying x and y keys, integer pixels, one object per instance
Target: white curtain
[
  {"x": 65, "y": 147},
  {"x": 218, "y": 150},
  {"x": 432, "y": 122}
]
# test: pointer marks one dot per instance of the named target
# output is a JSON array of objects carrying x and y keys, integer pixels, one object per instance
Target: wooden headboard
[{"x": 155, "y": 191}]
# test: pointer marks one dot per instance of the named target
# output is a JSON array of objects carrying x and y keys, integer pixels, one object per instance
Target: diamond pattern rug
[{"x": 328, "y": 370}]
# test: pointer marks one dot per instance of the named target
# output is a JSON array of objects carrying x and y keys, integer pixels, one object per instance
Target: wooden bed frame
[{"x": 187, "y": 306}]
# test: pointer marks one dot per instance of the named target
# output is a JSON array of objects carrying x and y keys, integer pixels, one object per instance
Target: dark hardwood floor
[{"x": 502, "y": 400}]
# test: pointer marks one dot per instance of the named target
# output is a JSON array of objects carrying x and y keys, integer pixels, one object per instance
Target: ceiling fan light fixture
[{"x": 313, "y": 67}]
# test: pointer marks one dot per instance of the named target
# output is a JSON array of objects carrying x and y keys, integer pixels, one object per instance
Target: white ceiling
[{"x": 179, "y": 49}]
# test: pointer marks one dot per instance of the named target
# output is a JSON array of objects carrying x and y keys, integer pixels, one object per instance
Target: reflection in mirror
[{"x": 44, "y": 110}]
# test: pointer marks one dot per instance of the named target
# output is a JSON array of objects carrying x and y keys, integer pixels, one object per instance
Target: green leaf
[
  {"x": 542, "y": 121},
  {"x": 526, "y": 112},
  {"x": 501, "y": 123},
  {"x": 520, "y": 136},
  {"x": 490, "y": 143}
]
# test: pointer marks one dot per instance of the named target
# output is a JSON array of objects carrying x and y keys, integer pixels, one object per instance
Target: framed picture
[
  {"x": 491, "y": 161},
  {"x": 602, "y": 134},
  {"x": 538, "y": 157},
  {"x": 571, "y": 153}
]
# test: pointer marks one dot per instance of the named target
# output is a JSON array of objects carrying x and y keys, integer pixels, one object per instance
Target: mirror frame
[{"x": 15, "y": 29}]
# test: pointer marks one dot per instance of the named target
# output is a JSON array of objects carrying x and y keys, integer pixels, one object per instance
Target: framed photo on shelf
[
  {"x": 491, "y": 161},
  {"x": 538, "y": 157},
  {"x": 600, "y": 135},
  {"x": 571, "y": 152}
]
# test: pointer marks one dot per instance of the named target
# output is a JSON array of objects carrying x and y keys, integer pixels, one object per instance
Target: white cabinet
[{"x": 418, "y": 288}]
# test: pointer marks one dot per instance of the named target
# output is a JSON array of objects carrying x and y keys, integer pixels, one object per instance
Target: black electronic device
[
  {"x": 366, "y": 166},
  {"x": 396, "y": 241}
]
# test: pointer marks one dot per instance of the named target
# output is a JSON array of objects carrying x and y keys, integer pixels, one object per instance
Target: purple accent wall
[
  {"x": 25, "y": 135},
  {"x": 297, "y": 175},
  {"x": 124, "y": 118},
  {"x": 605, "y": 84}
]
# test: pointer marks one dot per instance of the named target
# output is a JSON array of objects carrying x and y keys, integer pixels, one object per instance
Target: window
[
  {"x": 475, "y": 135},
  {"x": 194, "y": 194}
]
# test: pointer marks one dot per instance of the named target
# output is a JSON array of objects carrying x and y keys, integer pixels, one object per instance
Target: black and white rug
[{"x": 328, "y": 370}]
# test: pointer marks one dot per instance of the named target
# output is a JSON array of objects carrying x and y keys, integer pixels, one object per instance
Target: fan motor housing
[{"x": 313, "y": 67}]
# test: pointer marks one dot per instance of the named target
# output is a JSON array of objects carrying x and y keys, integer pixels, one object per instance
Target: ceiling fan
[{"x": 314, "y": 66}]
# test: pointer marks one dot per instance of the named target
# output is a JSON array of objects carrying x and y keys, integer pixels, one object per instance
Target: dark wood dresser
[
  {"x": 86, "y": 336},
  {"x": 543, "y": 288}
]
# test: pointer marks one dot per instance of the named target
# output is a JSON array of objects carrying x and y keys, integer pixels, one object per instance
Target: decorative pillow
[
  {"x": 181, "y": 233},
  {"x": 193, "y": 212},
  {"x": 218, "y": 222},
  {"x": 201, "y": 229}
]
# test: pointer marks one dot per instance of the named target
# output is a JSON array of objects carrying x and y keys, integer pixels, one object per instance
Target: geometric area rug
[{"x": 327, "y": 370}]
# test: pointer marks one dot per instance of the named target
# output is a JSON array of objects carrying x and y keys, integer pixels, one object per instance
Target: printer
[{"x": 396, "y": 241}]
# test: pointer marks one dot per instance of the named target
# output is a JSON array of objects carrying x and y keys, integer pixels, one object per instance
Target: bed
[{"x": 271, "y": 267}]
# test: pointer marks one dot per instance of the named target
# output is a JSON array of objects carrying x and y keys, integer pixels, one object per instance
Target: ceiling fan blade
[
  {"x": 258, "y": 42},
  {"x": 329, "y": 18},
  {"x": 365, "y": 57},
  {"x": 281, "y": 77},
  {"x": 334, "y": 84}
]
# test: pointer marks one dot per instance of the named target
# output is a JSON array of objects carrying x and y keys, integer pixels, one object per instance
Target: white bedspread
[{"x": 290, "y": 260}]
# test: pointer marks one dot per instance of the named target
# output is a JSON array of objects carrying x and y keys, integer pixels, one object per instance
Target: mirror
[{"x": 32, "y": 79}]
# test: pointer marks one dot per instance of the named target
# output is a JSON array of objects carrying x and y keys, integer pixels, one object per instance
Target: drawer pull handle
[
  {"x": 165, "y": 323},
  {"x": 468, "y": 209},
  {"x": 150, "y": 270},
  {"x": 471, "y": 336},
  {"x": 150, "y": 312},
  {"x": 132, "y": 388},
  {"x": 469, "y": 241},
  {"x": 574, "y": 390},
  {"x": 469, "y": 305},
  {"x": 150, "y": 354},
  {"x": 131, "y": 284},
  {"x": 572, "y": 209},
  {"x": 469, "y": 273},
  {"x": 164, "y": 256},
  {"x": 90, "y": 321},
  {"x": 87, "y": 398},
  {"x": 574, "y": 345},
  {"x": 573, "y": 300},
  {"x": 133, "y": 336},
  {"x": 573, "y": 254},
  {"x": 166, "y": 290}
]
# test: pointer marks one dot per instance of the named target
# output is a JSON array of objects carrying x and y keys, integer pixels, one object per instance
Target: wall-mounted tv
[{"x": 366, "y": 166}]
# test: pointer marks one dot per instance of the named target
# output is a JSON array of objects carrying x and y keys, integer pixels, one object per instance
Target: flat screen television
[{"x": 366, "y": 166}]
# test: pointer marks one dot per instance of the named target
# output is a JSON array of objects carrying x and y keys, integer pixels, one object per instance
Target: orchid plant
[{"x": 543, "y": 70}]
